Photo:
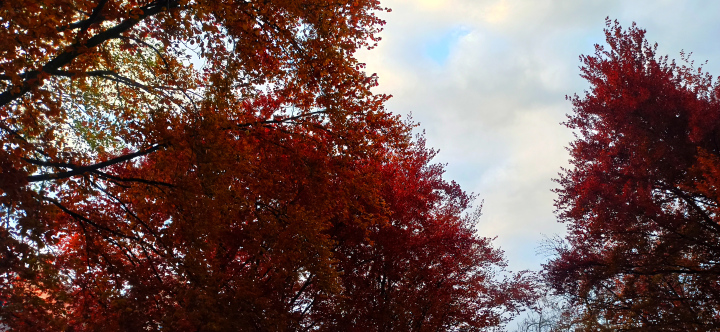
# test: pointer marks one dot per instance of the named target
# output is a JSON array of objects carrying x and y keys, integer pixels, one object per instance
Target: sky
[{"x": 487, "y": 80}]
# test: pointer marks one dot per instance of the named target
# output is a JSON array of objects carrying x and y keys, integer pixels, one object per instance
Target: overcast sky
[{"x": 487, "y": 81}]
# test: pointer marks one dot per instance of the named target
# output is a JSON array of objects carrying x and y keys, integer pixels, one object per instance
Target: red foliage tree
[
  {"x": 641, "y": 200},
  {"x": 424, "y": 268},
  {"x": 221, "y": 165}
]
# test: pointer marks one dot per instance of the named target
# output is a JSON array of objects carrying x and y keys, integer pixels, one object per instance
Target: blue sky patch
[{"x": 438, "y": 48}]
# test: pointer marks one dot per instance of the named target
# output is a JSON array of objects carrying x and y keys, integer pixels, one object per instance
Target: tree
[
  {"x": 221, "y": 165},
  {"x": 425, "y": 269},
  {"x": 641, "y": 200}
]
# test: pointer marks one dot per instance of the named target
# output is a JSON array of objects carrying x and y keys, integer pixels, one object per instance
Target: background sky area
[{"x": 487, "y": 81}]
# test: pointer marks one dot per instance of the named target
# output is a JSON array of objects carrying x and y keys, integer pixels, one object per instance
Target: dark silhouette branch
[
  {"x": 77, "y": 170},
  {"x": 85, "y": 220},
  {"x": 94, "y": 16},
  {"x": 124, "y": 179},
  {"x": 73, "y": 51},
  {"x": 709, "y": 222}
]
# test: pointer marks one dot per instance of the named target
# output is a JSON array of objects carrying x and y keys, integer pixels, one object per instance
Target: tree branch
[
  {"x": 77, "y": 170},
  {"x": 83, "y": 219},
  {"x": 73, "y": 51},
  {"x": 709, "y": 222},
  {"x": 139, "y": 180}
]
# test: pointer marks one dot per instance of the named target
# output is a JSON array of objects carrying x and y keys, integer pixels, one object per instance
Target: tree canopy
[
  {"x": 641, "y": 199},
  {"x": 223, "y": 165}
]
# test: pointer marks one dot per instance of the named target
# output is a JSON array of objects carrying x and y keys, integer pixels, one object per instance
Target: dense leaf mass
[
  {"x": 195, "y": 165},
  {"x": 641, "y": 200}
]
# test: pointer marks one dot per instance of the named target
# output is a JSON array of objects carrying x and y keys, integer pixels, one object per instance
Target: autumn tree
[
  {"x": 222, "y": 165},
  {"x": 641, "y": 199},
  {"x": 424, "y": 269}
]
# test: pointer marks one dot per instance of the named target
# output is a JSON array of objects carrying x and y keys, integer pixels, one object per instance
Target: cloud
[
  {"x": 432, "y": 4},
  {"x": 487, "y": 79}
]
